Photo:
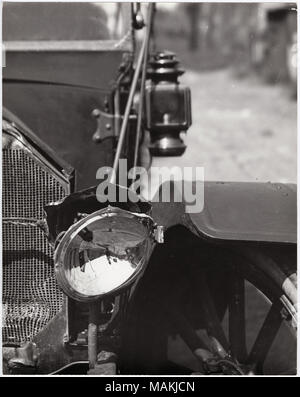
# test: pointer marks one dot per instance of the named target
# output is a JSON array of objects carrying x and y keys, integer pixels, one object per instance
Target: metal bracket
[
  {"x": 159, "y": 234},
  {"x": 137, "y": 16},
  {"x": 21, "y": 359},
  {"x": 105, "y": 365},
  {"x": 105, "y": 125}
]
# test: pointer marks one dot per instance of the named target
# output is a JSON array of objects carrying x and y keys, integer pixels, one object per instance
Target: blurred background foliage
[{"x": 248, "y": 36}]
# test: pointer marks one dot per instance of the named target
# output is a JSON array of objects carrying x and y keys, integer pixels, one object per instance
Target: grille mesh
[{"x": 31, "y": 297}]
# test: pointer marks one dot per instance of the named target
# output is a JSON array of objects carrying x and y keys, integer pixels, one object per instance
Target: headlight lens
[{"x": 103, "y": 253}]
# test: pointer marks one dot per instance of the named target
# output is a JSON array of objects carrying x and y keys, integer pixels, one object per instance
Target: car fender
[{"x": 237, "y": 211}]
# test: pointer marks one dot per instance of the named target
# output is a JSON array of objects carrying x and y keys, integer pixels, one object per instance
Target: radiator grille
[{"x": 31, "y": 297}]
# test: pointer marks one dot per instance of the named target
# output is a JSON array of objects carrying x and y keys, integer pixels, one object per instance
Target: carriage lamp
[
  {"x": 103, "y": 253},
  {"x": 168, "y": 105}
]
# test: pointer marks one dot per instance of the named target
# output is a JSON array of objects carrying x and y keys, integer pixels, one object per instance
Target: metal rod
[
  {"x": 144, "y": 71},
  {"x": 186, "y": 331},
  {"x": 93, "y": 333},
  {"x": 127, "y": 111},
  {"x": 213, "y": 324},
  {"x": 237, "y": 317},
  {"x": 265, "y": 337}
]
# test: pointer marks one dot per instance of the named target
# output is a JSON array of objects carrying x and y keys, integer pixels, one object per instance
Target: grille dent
[{"x": 31, "y": 297}]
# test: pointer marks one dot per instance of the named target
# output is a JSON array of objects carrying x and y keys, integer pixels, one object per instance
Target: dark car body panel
[
  {"x": 239, "y": 211},
  {"x": 59, "y": 111},
  {"x": 248, "y": 212},
  {"x": 10, "y": 122},
  {"x": 54, "y": 21},
  {"x": 54, "y": 78}
]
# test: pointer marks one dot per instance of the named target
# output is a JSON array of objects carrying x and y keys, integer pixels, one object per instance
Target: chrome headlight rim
[{"x": 72, "y": 232}]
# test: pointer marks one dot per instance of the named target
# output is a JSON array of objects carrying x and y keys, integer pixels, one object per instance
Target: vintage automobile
[{"x": 95, "y": 285}]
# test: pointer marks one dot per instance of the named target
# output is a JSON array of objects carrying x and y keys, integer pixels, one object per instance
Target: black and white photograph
[{"x": 149, "y": 191}]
